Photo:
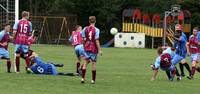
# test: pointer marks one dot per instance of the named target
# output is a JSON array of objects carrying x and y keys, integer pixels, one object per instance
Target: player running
[
  {"x": 91, "y": 44},
  {"x": 22, "y": 31},
  {"x": 76, "y": 40},
  {"x": 4, "y": 40},
  {"x": 181, "y": 50},
  {"x": 193, "y": 50}
]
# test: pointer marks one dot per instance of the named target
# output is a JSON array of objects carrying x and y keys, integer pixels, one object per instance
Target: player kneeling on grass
[
  {"x": 163, "y": 61},
  {"x": 76, "y": 40},
  {"x": 193, "y": 50},
  {"x": 91, "y": 43},
  {"x": 4, "y": 39}
]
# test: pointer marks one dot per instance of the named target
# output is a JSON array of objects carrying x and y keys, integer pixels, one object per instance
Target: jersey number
[
  {"x": 40, "y": 69},
  {"x": 24, "y": 28},
  {"x": 90, "y": 35},
  {"x": 75, "y": 38},
  {"x": 166, "y": 60}
]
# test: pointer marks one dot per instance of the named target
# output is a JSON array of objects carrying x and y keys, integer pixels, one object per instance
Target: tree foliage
[{"x": 108, "y": 12}]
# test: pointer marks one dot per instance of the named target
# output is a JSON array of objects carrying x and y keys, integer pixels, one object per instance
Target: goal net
[{"x": 8, "y": 11}]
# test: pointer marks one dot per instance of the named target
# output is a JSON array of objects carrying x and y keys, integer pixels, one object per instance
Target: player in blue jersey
[
  {"x": 40, "y": 67},
  {"x": 181, "y": 50}
]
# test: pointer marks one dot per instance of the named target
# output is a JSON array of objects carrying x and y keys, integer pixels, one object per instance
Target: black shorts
[{"x": 29, "y": 54}]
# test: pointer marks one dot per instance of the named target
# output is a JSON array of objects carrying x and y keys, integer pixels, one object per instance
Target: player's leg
[
  {"x": 172, "y": 70},
  {"x": 185, "y": 64},
  {"x": 17, "y": 57},
  {"x": 193, "y": 68},
  {"x": 7, "y": 56},
  {"x": 4, "y": 54},
  {"x": 93, "y": 72},
  {"x": 94, "y": 59},
  {"x": 182, "y": 69},
  {"x": 179, "y": 77},
  {"x": 84, "y": 70},
  {"x": 79, "y": 50},
  {"x": 25, "y": 49},
  {"x": 168, "y": 74},
  {"x": 194, "y": 59}
]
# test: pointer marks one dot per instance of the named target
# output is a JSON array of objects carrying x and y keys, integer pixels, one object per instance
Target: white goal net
[{"x": 8, "y": 11}]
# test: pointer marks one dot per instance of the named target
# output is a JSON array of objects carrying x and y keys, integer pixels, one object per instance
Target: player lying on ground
[
  {"x": 4, "y": 40},
  {"x": 181, "y": 50},
  {"x": 194, "y": 51},
  {"x": 22, "y": 31},
  {"x": 76, "y": 40},
  {"x": 40, "y": 67},
  {"x": 164, "y": 61},
  {"x": 91, "y": 44}
]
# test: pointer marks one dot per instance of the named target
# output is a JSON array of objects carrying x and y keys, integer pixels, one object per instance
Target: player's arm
[
  {"x": 83, "y": 36},
  {"x": 31, "y": 29},
  {"x": 98, "y": 46},
  {"x": 70, "y": 39},
  {"x": 97, "y": 41},
  {"x": 188, "y": 49},
  {"x": 155, "y": 68},
  {"x": 154, "y": 75},
  {"x": 15, "y": 27}
]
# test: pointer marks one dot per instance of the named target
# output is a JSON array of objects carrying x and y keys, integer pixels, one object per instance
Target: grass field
[{"x": 119, "y": 71}]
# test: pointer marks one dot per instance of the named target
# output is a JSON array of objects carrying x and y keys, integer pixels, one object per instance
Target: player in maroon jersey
[
  {"x": 91, "y": 44},
  {"x": 4, "y": 39},
  {"x": 76, "y": 39},
  {"x": 193, "y": 50},
  {"x": 22, "y": 31}
]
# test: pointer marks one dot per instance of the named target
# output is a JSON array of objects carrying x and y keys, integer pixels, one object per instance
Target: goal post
[{"x": 16, "y": 10}]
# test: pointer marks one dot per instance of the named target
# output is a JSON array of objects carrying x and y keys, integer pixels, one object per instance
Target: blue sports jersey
[
  {"x": 43, "y": 68},
  {"x": 183, "y": 34},
  {"x": 181, "y": 46}
]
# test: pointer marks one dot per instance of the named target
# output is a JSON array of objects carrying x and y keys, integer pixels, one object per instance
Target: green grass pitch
[{"x": 119, "y": 71}]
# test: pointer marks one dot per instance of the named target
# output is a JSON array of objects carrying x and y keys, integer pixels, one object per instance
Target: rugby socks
[
  {"x": 193, "y": 71},
  {"x": 77, "y": 67},
  {"x": 83, "y": 73},
  {"x": 168, "y": 74},
  {"x": 27, "y": 62},
  {"x": 181, "y": 68},
  {"x": 93, "y": 75},
  {"x": 177, "y": 73},
  {"x": 17, "y": 63},
  {"x": 8, "y": 66},
  {"x": 187, "y": 67}
]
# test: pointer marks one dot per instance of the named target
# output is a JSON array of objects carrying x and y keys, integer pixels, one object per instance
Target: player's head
[
  {"x": 195, "y": 31},
  {"x": 78, "y": 28},
  {"x": 159, "y": 50},
  {"x": 178, "y": 30},
  {"x": 25, "y": 14},
  {"x": 92, "y": 19},
  {"x": 7, "y": 27}
]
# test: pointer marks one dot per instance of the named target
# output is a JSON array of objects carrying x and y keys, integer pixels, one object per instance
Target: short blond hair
[{"x": 25, "y": 14}]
